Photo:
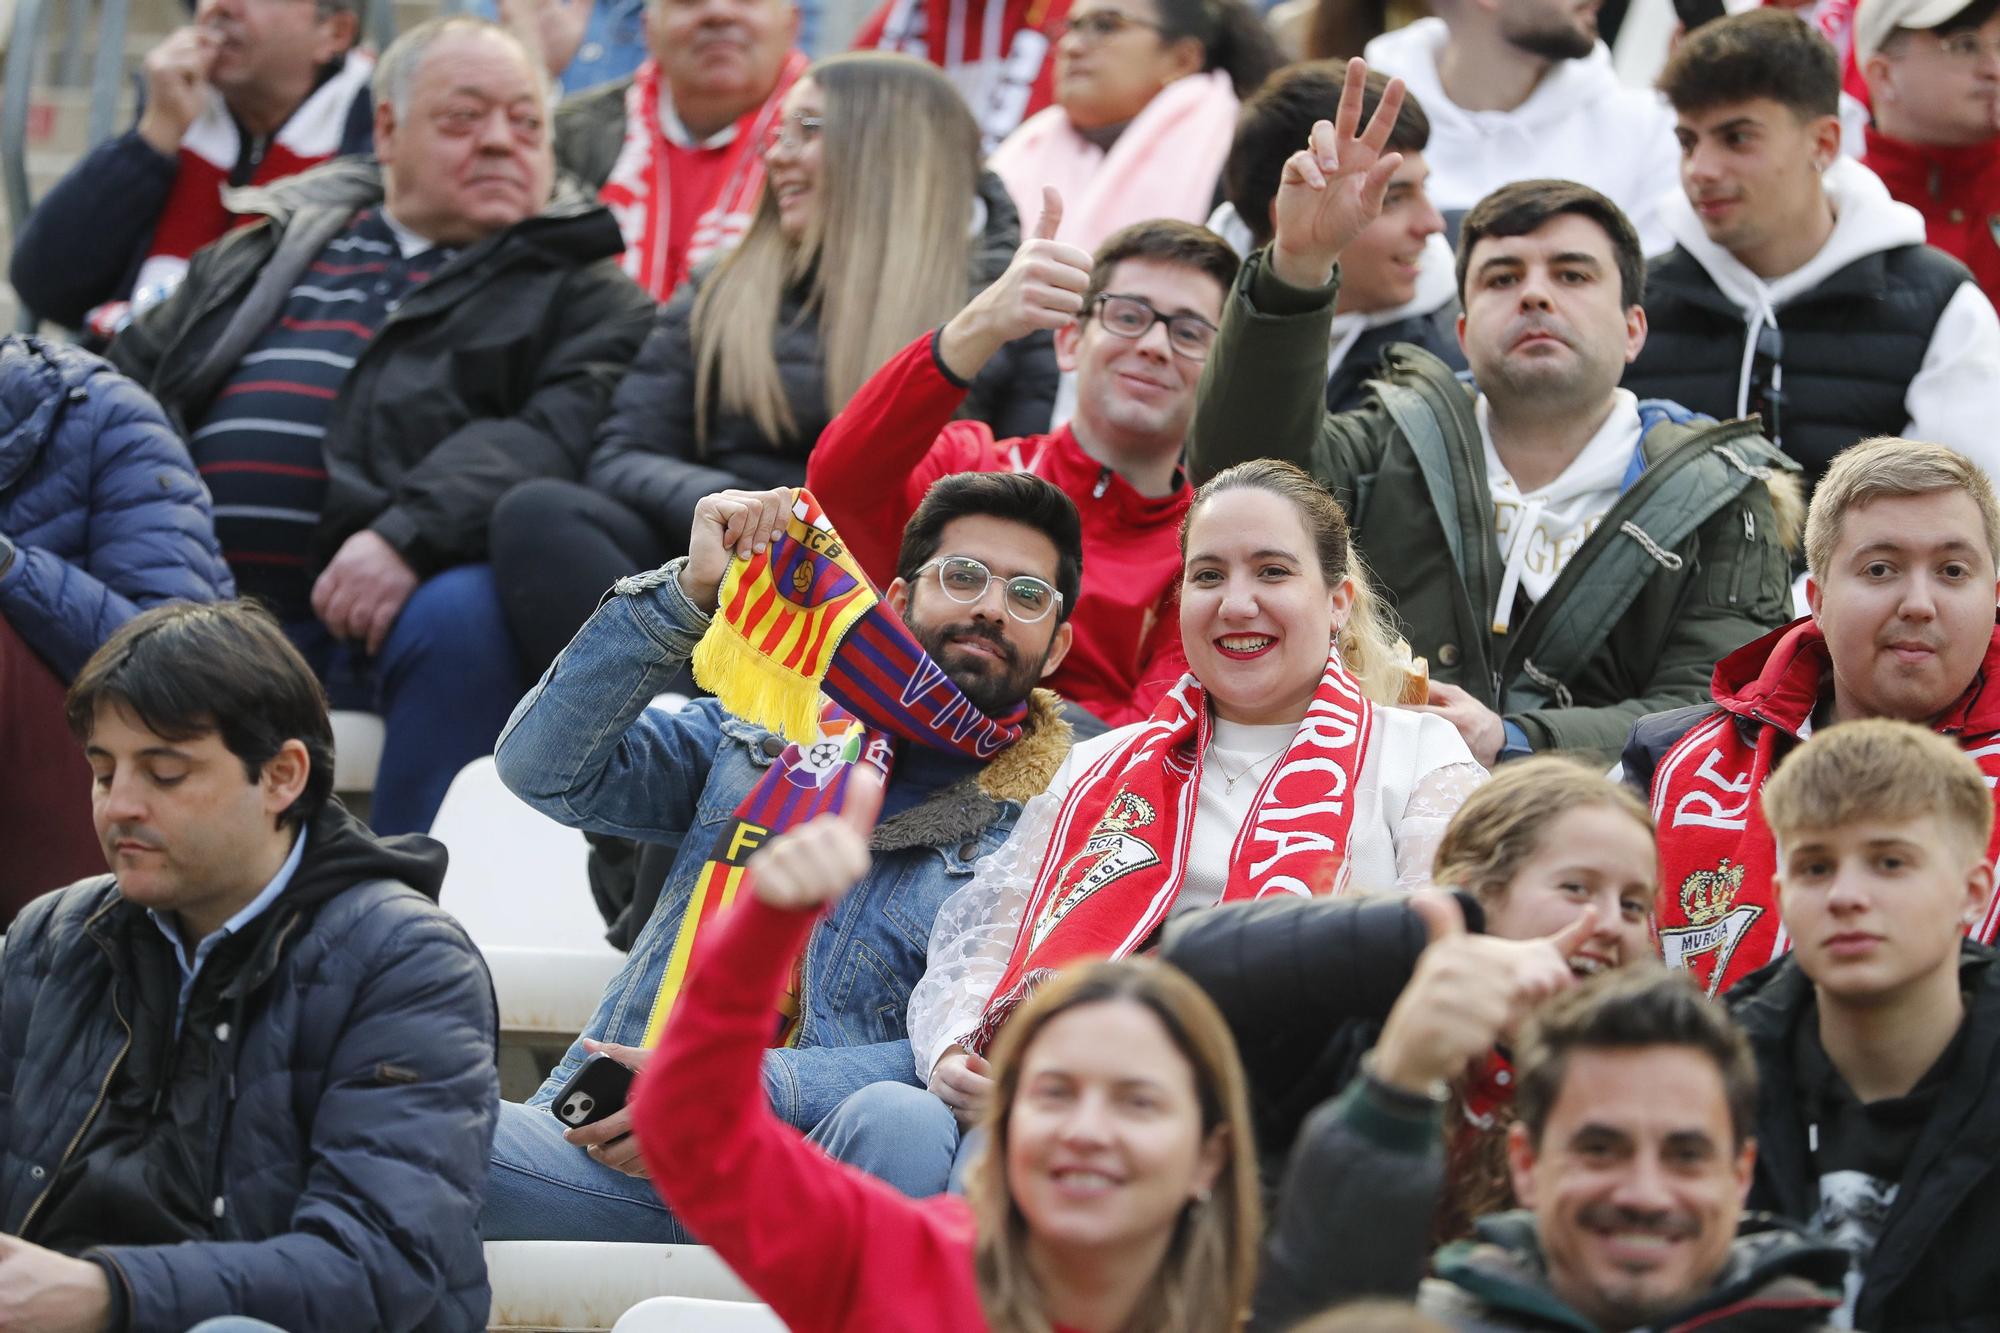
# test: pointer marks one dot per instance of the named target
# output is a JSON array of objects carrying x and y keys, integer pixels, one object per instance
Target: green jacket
[{"x": 1691, "y": 562}]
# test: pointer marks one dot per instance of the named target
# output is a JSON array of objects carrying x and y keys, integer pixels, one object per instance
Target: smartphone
[{"x": 597, "y": 1089}]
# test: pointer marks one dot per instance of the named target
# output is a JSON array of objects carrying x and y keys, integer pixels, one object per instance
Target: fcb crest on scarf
[{"x": 801, "y": 645}]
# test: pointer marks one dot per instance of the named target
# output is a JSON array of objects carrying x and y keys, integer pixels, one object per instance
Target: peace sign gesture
[{"x": 1333, "y": 188}]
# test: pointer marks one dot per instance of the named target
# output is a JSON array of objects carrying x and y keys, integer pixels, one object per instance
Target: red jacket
[
  {"x": 895, "y": 437},
  {"x": 1958, "y": 192},
  {"x": 826, "y": 1246}
]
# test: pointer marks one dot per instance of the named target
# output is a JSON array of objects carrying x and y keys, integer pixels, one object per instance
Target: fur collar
[{"x": 964, "y": 810}]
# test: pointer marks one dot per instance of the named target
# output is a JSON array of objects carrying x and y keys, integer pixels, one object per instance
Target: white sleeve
[
  {"x": 1433, "y": 801},
  {"x": 973, "y": 936},
  {"x": 1658, "y": 176},
  {"x": 1954, "y": 399}
]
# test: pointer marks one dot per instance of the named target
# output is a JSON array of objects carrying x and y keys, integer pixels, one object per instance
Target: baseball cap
[{"x": 1874, "y": 20}]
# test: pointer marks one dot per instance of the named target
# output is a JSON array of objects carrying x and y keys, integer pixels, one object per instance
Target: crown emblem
[{"x": 1708, "y": 896}]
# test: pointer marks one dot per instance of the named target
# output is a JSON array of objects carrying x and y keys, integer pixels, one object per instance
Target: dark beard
[
  {"x": 1555, "y": 42},
  {"x": 994, "y": 687}
]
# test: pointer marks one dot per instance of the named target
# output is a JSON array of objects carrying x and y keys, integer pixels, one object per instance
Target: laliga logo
[{"x": 814, "y": 765}]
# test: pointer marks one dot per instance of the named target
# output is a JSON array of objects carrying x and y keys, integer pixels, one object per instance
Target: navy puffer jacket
[{"x": 99, "y": 503}]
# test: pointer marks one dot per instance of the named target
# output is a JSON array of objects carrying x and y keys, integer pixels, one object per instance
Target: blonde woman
[
  {"x": 876, "y": 222},
  {"x": 1120, "y": 1195}
]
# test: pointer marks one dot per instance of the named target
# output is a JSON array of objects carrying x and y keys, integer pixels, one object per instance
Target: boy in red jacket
[{"x": 1133, "y": 326}]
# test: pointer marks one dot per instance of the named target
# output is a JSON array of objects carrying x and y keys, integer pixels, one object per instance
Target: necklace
[{"x": 1230, "y": 780}]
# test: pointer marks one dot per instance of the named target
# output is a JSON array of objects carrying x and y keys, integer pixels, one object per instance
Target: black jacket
[
  {"x": 647, "y": 455},
  {"x": 492, "y": 373},
  {"x": 327, "y": 1111},
  {"x": 1932, "y": 1269},
  {"x": 1347, "y": 386},
  {"x": 1305, "y": 984}
]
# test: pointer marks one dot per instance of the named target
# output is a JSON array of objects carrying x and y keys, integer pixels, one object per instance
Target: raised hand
[
  {"x": 176, "y": 84},
  {"x": 1042, "y": 289},
  {"x": 820, "y": 860},
  {"x": 1333, "y": 188},
  {"x": 729, "y": 524}
]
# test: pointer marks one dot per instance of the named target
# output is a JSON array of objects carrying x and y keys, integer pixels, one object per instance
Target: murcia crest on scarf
[{"x": 1117, "y": 858}]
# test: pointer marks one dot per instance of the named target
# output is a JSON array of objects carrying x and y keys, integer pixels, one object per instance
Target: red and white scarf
[
  {"x": 1717, "y": 911},
  {"x": 1003, "y": 69},
  {"x": 640, "y": 195},
  {"x": 1118, "y": 856}
]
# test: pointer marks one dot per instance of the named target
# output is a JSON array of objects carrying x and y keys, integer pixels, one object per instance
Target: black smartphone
[{"x": 597, "y": 1089}]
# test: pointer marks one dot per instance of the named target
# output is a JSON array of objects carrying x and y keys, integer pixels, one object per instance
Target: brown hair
[
  {"x": 1501, "y": 824},
  {"x": 1878, "y": 769},
  {"x": 1890, "y": 468},
  {"x": 1524, "y": 207},
  {"x": 1164, "y": 241},
  {"x": 1372, "y": 1317},
  {"x": 1368, "y": 640},
  {"x": 1205, "y": 1279},
  {"x": 1629, "y": 1008},
  {"x": 1769, "y": 53}
]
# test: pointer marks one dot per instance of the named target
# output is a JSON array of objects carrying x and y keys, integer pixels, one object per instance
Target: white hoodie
[
  {"x": 1581, "y": 123},
  {"x": 1954, "y": 399}
]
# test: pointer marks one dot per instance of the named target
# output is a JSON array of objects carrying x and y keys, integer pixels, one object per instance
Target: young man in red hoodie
[
  {"x": 1933, "y": 73},
  {"x": 1900, "y": 543},
  {"x": 1133, "y": 326}
]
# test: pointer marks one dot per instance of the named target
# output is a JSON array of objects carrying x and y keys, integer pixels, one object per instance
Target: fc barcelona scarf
[
  {"x": 801, "y": 645},
  {"x": 1118, "y": 855}
]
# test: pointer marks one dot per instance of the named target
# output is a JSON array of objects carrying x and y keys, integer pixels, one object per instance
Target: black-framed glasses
[
  {"x": 1134, "y": 317},
  {"x": 792, "y": 133},
  {"x": 1101, "y": 23},
  {"x": 963, "y": 579}
]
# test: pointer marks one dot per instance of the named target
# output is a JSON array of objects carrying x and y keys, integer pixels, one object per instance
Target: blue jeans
[
  {"x": 445, "y": 681},
  {"x": 539, "y": 1186}
]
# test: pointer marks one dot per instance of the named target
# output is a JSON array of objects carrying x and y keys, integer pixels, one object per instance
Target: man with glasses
[
  {"x": 985, "y": 579},
  {"x": 1133, "y": 326},
  {"x": 1933, "y": 72},
  {"x": 1798, "y": 290},
  {"x": 1567, "y": 557}
]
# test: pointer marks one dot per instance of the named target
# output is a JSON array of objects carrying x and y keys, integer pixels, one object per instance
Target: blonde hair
[
  {"x": 1501, "y": 824},
  {"x": 1890, "y": 468},
  {"x": 1204, "y": 1281},
  {"x": 1369, "y": 644},
  {"x": 1877, "y": 769},
  {"x": 886, "y": 255},
  {"x": 1375, "y": 1316}
]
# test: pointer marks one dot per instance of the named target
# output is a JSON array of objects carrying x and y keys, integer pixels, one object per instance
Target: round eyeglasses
[
  {"x": 792, "y": 133},
  {"x": 1027, "y": 598}
]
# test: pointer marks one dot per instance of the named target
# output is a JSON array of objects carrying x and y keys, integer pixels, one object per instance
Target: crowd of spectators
[{"x": 1207, "y": 694}]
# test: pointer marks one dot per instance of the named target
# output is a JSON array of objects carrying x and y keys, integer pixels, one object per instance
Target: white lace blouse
[{"x": 1418, "y": 772}]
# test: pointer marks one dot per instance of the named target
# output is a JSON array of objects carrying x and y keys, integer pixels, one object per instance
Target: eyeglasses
[
  {"x": 1134, "y": 317},
  {"x": 1101, "y": 23},
  {"x": 1028, "y": 599},
  {"x": 792, "y": 134},
  {"x": 1967, "y": 48}
]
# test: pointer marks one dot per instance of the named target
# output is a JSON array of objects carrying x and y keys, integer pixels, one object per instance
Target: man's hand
[
  {"x": 1042, "y": 289},
  {"x": 729, "y": 525},
  {"x": 49, "y": 1292},
  {"x": 362, "y": 590},
  {"x": 550, "y": 29},
  {"x": 1332, "y": 189},
  {"x": 964, "y": 1082},
  {"x": 1481, "y": 727},
  {"x": 820, "y": 860},
  {"x": 1467, "y": 991},
  {"x": 176, "y": 86},
  {"x": 610, "y": 1140}
]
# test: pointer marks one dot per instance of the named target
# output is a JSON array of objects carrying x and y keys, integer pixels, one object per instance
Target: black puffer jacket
[
  {"x": 647, "y": 455},
  {"x": 1932, "y": 1268},
  {"x": 492, "y": 373},
  {"x": 343, "y": 1115}
]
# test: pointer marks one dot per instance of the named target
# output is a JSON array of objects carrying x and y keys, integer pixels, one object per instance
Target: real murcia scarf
[
  {"x": 640, "y": 195},
  {"x": 800, "y": 644},
  {"x": 1717, "y": 913},
  {"x": 1118, "y": 854}
]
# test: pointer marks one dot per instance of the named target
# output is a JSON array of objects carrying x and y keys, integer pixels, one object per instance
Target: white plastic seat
[
  {"x": 686, "y": 1314},
  {"x": 584, "y": 1285},
  {"x": 518, "y": 884},
  {"x": 357, "y": 750}
]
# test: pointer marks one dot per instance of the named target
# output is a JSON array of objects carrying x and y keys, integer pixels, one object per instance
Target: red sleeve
[
  {"x": 870, "y": 35},
  {"x": 1162, "y": 659},
  {"x": 790, "y": 1221},
  {"x": 875, "y": 460}
]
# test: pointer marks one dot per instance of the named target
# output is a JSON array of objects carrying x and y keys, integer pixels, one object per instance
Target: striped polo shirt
[{"x": 261, "y": 446}]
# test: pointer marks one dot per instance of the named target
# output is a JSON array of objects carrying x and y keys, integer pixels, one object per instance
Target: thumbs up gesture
[
  {"x": 1467, "y": 992},
  {"x": 1042, "y": 289}
]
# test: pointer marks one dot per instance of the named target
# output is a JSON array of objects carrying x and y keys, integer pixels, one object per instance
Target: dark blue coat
[
  {"x": 350, "y": 1104},
  {"x": 98, "y": 500}
]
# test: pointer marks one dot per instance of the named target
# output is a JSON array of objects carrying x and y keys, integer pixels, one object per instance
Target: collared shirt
[{"x": 191, "y": 968}]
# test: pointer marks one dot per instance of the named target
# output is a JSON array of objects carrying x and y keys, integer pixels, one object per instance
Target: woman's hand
[{"x": 820, "y": 860}]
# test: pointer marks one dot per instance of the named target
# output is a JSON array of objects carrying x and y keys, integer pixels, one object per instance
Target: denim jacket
[{"x": 585, "y": 748}]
